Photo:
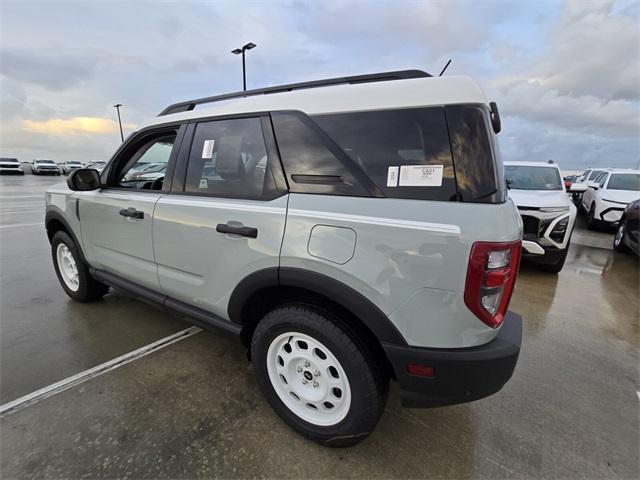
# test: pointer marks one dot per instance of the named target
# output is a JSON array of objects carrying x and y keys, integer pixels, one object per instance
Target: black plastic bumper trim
[{"x": 461, "y": 374}]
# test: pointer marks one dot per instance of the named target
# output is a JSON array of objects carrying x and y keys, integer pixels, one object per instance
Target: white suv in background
[
  {"x": 608, "y": 195},
  {"x": 547, "y": 213}
]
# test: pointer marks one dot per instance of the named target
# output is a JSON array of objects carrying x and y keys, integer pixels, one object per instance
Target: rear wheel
[
  {"x": 316, "y": 375},
  {"x": 618, "y": 239},
  {"x": 72, "y": 272}
]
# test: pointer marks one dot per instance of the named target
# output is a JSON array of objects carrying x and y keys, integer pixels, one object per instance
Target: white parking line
[
  {"x": 21, "y": 196},
  {"x": 2, "y": 212},
  {"x": 22, "y": 225},
  {"x": 82, "y": 377}
]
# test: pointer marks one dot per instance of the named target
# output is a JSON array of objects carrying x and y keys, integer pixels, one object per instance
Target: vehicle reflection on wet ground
[{"x": 194, "y": 410}]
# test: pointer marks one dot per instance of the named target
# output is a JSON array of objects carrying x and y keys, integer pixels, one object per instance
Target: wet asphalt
[{"x": 193, "y": 409}]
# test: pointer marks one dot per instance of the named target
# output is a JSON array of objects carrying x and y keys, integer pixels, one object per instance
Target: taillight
[{"x": 491, "y": 276}]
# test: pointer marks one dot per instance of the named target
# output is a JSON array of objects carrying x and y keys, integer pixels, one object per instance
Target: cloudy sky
[{"x": 566, "y": 75}]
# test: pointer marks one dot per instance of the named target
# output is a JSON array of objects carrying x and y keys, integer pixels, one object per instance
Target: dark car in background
[{"x": 627, "y": 236}]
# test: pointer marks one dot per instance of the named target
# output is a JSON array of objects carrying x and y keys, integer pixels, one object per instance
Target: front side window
[
  {"x": 600, "y": 179},
  {"x": 594, "y": 174},
  {"x": 624, "y": 181},
  {"x": 146, "y": 168},
  {"x": 406, "y": 153},
  {"x": 522, "y": 177},
  {"x": 229, "y": 159}
]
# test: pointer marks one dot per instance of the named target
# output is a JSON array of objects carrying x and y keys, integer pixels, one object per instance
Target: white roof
[
  {"x": 534, "y": 164},
  {"x": 406, "y": 93}
]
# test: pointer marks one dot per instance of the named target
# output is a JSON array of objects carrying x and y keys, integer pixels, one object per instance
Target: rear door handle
[
  {"x": 132, "y": 212},
  {"x": 242, "y": 231}
]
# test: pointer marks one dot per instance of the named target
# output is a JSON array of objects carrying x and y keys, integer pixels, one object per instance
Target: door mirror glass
[{"x": 84, "y": 179}]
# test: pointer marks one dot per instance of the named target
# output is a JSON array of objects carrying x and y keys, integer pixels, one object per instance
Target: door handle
[
  {"x": 132, "y": 212},
  {"x": 242, "y": 231}
]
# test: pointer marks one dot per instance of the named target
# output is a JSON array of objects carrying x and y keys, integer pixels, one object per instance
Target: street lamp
[
  {"x": 239, "y": 51},
  {"x": 117, "y": 107}
]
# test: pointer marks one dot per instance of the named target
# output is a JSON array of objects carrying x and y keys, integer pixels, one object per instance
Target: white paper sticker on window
[
  {"x": 392, "y": 176},
  {"x": 203, "y": 183},
  {"x": 207, "y": 148},
  {"x": 421, "y": 175}
]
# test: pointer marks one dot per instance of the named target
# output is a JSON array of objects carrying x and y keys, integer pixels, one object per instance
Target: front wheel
[
  {"x": 592, "y": 223},
  {"x": 72, "y": 272},
  {"x": 618, "y": 239},
  {"x": 317, "y": 376}
]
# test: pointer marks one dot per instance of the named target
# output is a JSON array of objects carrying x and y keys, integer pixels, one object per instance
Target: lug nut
[
  {"x": 299, "y": 369},
  {"x": 315, "y": 384},
  {"x": 317, "y": 373},
  {"x": 307, "y": 364},
  {"x": 305, "y": 381}
]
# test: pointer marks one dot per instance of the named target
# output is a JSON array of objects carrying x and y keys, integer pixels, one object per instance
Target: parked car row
[{"x": 39, "y": 166}]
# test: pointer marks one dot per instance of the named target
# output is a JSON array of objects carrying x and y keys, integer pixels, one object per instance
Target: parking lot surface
[{"x": 193, "y": 409}]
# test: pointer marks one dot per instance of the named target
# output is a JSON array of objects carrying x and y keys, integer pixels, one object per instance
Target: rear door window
[
  {"x": 229, "y": 159},
  {"x": 406, "y": 153}
]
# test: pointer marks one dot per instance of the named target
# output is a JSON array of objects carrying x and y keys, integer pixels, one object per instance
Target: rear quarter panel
[{"x": 410, "y": 258}]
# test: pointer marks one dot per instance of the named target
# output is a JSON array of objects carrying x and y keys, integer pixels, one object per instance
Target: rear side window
[
  {"x": 312, "y": 161},
  {"x": 406, "y": 153},
  {"x": 478, "y": 168},
  {"x": 229, "y": 159}
]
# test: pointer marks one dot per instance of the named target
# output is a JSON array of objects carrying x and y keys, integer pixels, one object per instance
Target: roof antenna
[{"x": 445, "y": 67}]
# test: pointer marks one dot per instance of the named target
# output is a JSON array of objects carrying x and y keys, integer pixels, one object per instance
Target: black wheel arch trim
[
  {"x": 53, "y": 215},
  {"x": 318, "y": 283}
]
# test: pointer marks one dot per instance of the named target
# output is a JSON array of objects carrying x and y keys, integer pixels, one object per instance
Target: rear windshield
[
  {"x": 475, "y": 154},
  {"x": 406, "y": 153},
  {"x": 522, "y": 177},
  {"x": 624, "y": 181}
]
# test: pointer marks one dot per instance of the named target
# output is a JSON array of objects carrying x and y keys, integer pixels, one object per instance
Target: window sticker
[
  {"x": 203, "y": 183},
  {"x": 392, "y": 177},
  {"x": 421, "y": 175},
  {"x": 207, "y": 148}
]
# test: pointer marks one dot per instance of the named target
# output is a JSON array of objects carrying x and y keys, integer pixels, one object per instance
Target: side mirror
[
  {"x": 495, "y": 117},
  {"x": 594, "y": 185},
  {"x": 578, "y": 188},
  {"x": 83, "y": 179}
]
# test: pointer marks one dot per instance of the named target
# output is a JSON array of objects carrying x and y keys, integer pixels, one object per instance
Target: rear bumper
[{"x": 461, "y": 374}]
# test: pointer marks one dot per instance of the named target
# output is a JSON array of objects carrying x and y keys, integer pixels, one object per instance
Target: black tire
[
  {"x": 618, "y": 238},
  {"x": 89, "y": 289},
  {"x": 368, "y": 384},
  {"x": 556, "y": 267},
  {"x": 592, "y": 223}
]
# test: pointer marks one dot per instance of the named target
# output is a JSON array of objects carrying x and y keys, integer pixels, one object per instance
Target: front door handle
[
  {"x": 132, "y": 212},
  {"x": 242, "y": 231}
]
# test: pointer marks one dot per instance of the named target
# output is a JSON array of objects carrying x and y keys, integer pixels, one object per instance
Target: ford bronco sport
[{"x": 348, "y": 231}]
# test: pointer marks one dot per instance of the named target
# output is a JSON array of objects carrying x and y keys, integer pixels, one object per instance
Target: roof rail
[{"x": 372, "y": 77}]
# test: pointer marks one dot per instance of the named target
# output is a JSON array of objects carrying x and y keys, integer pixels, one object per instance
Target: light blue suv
[{"x": 348, "y": 232}]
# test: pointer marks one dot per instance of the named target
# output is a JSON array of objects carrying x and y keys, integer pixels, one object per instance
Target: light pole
[
  {"x": 239, "y": 51},
  {"x": 117, "y": 107}
]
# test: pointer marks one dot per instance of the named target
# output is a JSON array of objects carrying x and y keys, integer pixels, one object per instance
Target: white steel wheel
[
  {"x": 67, "y": 267},
  {"x": 308, "y": 378}
]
